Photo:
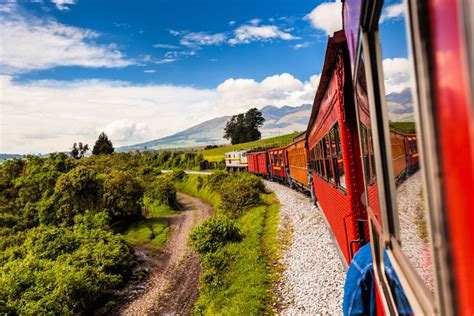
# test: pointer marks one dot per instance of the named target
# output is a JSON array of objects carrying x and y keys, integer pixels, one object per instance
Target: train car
[
  {"x": 278, "y": 161},
  {"x": 258, "y": 162},
  {"x": 236, "y": 161},
  {"x": 333, "y": 145},
  {"x": 298, "y": 163},
  {"x": 411, "y": 152},
  {"x": 397, "y": 141},
  {"x": 420, "y": 231}
]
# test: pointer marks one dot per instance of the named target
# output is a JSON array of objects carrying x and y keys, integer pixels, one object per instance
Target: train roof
[{"x": 335, "y": 44}]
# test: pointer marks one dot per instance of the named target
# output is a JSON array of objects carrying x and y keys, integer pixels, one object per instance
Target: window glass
[
  {"x": 327, "y": 158},
  {"x": 339, "y": 161},
  {"x": 400, "y": 104}
]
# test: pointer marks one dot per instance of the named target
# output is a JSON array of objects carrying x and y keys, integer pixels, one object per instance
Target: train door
[{"x": 403, "y": 210}]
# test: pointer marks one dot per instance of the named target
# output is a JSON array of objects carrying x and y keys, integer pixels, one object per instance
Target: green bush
[
  {"x": 214, "y": 233},
  {"x": 238, "y": 194},
  {"x": 255, "y": 182},
  {"x": 164, "y": 191},
  {"x": 178, "y": 175},
  {"x": 215, "y": 180},
  {"x": 200, "y": 183},
  {"x": 123, "y": 195}
]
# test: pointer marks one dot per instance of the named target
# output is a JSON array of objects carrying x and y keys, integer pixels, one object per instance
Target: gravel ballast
[{"x": 313, "y": 281}]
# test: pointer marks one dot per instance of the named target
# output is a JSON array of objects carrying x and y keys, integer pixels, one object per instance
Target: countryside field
[{"x": 217, "y": 154}]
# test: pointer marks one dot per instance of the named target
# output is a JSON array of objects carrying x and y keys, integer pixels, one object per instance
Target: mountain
[
  {"x": 278, "y": 121},
  {"x": 400, "y": 106}
]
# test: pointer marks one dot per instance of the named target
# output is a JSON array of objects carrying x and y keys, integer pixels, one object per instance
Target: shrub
[
  {"x": 123, "y": 195},
  {"x": 254, "y": 181},
  {"x": 200, "y": 183},
  {"x": 164, "y": 191},
  {"x": 213, "y": 234},
  {"x": 215, "y": 179},
  {"x": 178, "y": 175},
  {"x": 237, "y": 194}
]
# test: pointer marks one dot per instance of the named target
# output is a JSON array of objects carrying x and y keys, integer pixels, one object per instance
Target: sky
[{"x": 142, "y": 70}]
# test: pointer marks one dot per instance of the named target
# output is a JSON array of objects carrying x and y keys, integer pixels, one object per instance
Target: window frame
[{"x": 420, "y": 53}]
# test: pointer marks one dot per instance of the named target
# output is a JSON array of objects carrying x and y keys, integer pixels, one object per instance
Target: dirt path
[{"x": 173, "y": 284}]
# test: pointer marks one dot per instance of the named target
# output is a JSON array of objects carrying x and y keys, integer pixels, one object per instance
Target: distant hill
[
  {"x": 9, "y": 156},
  {"x": 278, "y": 121},
  {"x": 400, "y": 106}
]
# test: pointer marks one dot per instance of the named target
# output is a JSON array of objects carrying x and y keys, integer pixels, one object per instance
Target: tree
[
  {"x": 103, "y": 146},
  {"x": 243, "y": 128},
  {"x": 78, "y": 151}
]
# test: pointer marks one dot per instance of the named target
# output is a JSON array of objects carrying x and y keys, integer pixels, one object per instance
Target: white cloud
[
  {"x": 63, "y": 5},
  {"x": 167, "y": 46},
  {"x": 326, "y": 17},
  {"x": 302, "y": 45},
  {"x": 393, "y": 11},
  {"x": 44, "y": 116},
  {"x": 8, "y": 6},
  {"x": 165, "y": 61},
  {"x": 32, "y": 44},
  {"x": 396, "y": 74},
  {"x": 231, "y": 23},
  {"x": 255, "y": 21},
  {"x": 252, "y": 33},
  {"x": 125, "y": 130},
  {"x": 149, "y": 71},
  {"x": 196, "y": 39}
]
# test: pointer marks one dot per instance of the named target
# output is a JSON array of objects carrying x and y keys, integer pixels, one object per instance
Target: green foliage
[
  {"x": 178, "y": 175},
  {"x": 238, "y": 194},
  {"x": 214, "y": 233},
  {"x": 79, "y": 150},
  {"x": 237, "y": 278},
  {"x": 123, "y": 195},
  {"x": 64, "y": 270},
  {"x": 163, "y": 191},
  {"x": 404, "y": 127},
  {"x": 58, "y": 252},
  {"x": 215, "y": 180},
  {"x": 243, "y": 128},
  {"x": 103, "y": 146}
]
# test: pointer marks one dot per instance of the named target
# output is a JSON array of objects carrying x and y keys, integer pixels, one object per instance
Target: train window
[
  {"x": 321, "y": 159},
  {"x": 327, "y": 158},
  {"x": 399, "y": 103},
  {"x": 339, "y": 161}
]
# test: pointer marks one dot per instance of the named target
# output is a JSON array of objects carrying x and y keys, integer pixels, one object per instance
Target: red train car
[
  {"x": 429, "y": 77},
  {"x": 298, "y": 163},
  {"x": 411, "y": 151},
  {"x": 258, "y": 162},
  {"x": 333, "y": 144},
  {"x": 397, "y": 141},
  {"x": 278, "y": 161}
]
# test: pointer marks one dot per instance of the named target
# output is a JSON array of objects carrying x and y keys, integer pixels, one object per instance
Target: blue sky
[
  {"x": 142, "y": 70},
  {"x": 135, "y": 29}
]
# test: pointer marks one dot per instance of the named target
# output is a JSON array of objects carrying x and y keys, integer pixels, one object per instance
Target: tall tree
[
  {"x": 243, "y": 128},
  {"x": 78, "y": 151},
  {"x": 103, "y": 146}
]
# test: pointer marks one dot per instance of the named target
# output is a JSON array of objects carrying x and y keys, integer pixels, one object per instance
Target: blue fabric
[{"x": 359, "y": 289}]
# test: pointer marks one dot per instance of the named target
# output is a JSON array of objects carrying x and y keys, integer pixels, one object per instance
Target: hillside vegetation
[
  {"x": 67, "y": 226},
  {"x": 217, "y": 154}
]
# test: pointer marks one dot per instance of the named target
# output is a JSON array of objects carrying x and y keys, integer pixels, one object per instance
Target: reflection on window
[{"x": 400, "y": 106}]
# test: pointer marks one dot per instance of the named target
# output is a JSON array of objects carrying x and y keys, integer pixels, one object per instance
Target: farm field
[{"x": 217, "y": 154}]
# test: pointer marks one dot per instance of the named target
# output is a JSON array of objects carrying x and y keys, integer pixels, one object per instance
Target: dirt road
[{"x": 173, "y": 284}]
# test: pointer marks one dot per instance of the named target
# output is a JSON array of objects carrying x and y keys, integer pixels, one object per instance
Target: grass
[
  {"x": 217, "y": 154},
  {"x": 404, "y": 127},
  {"x": 152, "y": 230},
  {"x": 247, "y": 285}
]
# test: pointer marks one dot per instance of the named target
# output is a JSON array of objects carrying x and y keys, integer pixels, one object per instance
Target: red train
[{"x": 373, "y": 183}]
